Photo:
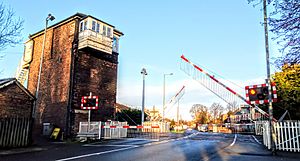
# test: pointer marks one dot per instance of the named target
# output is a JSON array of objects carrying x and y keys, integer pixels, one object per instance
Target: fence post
[
  {"x": 274, "y": 126},
  {"x": 298, "y": 134}
]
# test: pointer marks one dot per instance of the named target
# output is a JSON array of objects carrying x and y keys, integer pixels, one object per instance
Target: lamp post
[
  {"x": 144, "y": 73},
  {"x": 164, "y": 95},
  {"x": 49, "y": 17}
]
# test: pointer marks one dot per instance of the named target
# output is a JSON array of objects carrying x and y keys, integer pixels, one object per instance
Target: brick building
[
  {"x": 80, "y": 56},
  {"x": 15, "y": 100}
]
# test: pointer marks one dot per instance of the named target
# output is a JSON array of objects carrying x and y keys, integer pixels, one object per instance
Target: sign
[
  {"x": 55, "y": 133},
  {"x": 89, "y": 102},
  {"x": 27, "y": 58}
]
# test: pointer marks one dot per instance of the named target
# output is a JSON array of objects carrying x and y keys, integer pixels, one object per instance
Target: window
[
  {"x": 94, "y": 25},
  {"x": 98, "y": 28},
  {"x": 85, "y": 25},
  {"x": 115, "y": 44},
  {"x": 81, "y": 26},
  {"x": 108, "y": 32},
  {"x": 104, "y": 30}
]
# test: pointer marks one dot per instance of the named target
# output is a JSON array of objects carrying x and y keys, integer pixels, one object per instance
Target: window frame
[{"x": 94, "y": 25}]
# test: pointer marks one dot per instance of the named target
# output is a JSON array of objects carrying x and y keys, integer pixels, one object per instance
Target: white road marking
[
  {"x": 99, "y": 145},
  {"x": 235, "y": 136},
  {"x": 256, "y": 139},
  {"x": 94, "y": 154},
  {"x": 122, "y": 149}
]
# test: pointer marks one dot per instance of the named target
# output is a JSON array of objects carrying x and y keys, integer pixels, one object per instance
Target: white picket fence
[{"x": 286, "y": 135}]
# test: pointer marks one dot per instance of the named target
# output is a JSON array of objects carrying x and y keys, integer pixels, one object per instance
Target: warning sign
[{"x": 55, "y": 133}]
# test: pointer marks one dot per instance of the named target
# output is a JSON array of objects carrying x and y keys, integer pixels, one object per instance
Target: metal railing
[{"x": 118, "y": 130}]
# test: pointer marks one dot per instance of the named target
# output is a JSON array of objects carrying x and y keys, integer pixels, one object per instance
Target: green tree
[{"x": 288, "y": 89}]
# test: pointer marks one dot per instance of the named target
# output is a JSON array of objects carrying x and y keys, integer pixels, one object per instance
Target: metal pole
[
  {"x": 164, "y": 98},
  {"x": 143, "y": 72},
  {"x": 89, "y": 116},
  {"x": 164, "y": 95},
  {"x": 178, "y": 116},
  {"x": 40, "y": 69},
  {"x": 268, "y": 74},
  {"x": 143, "y": 100},
  {"x": 41, "y": 65},
  {"x": 89, "y": 121}
]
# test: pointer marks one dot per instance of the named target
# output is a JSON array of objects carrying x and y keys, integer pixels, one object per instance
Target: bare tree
[
  {"x": 232, "y": 106},
  {"x": 216, "y": 110},
  {"x": 284, "y": 22},
  {"x": 10, "y": 28}
]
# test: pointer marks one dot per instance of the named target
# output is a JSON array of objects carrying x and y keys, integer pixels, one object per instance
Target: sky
[{"x": 226, "y": 38}]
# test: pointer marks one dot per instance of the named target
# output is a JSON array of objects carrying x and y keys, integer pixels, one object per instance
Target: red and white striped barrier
[{"x": 130, "y": 127}]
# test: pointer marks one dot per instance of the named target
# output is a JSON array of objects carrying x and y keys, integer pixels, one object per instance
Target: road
[{"x": 194, "y": 147}]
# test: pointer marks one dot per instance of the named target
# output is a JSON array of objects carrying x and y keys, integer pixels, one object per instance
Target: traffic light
[{"x": 89, "y": 102}]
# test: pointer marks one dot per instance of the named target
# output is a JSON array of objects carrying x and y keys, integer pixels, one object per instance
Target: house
[
  {"x": 80, "y": 58},
  {"x": 16, "y": 107},
  {"x": 15, "y": 100}
]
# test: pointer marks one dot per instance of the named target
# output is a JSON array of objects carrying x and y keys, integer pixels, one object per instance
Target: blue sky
[{"x": 224, "y": 36}]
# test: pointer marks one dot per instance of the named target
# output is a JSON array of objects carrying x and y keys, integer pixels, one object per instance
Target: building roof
[
  {"x": 9, "y": 81},
  {"x": 76, "y": 15}
]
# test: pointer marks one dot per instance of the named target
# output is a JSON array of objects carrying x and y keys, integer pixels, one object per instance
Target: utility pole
[{"x": 268, "y": 75}]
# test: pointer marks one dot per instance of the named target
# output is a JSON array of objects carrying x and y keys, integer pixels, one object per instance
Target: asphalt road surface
[{"x": 194, "y": 147}]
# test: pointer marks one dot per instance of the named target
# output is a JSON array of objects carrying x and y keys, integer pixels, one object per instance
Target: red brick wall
[
  {"x": 93, "y": 71},
  {"x": 93, "y": 74},
  {"x": 14, "y": 102},
  {"x": 55, "y": 77}
]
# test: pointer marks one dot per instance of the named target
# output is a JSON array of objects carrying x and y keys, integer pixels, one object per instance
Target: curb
[{"x": 21, "y": 150}]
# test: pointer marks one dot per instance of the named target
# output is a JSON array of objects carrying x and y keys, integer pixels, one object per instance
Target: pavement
[{"x": 40, "y": 143}]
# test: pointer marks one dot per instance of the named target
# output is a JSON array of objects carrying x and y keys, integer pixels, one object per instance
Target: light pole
[
  {"x": 144, "y": 73},
  {"x": 49, "y": 17},
  {"x": 164, "y": 95}
]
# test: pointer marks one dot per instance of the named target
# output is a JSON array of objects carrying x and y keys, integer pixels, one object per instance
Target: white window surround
[{"x": 97, "y": 26}]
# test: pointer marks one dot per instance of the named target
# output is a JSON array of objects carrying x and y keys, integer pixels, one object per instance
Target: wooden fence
[
  {"x": 286, "y": 135},
  {"x": 15, "y": 132}
]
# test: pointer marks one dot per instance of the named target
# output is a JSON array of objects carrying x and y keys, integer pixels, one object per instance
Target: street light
[
  {"x": 49, "y": 17},
  {"x": 144, "y": 73},
  {"x": 164, "y": 93}
]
